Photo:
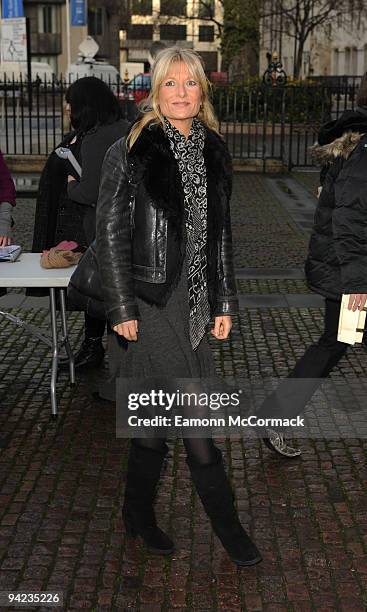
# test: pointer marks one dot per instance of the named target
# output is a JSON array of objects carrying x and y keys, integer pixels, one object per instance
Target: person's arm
[
  {"x": 113, "y": 240},
  {"x": 349, "y": 222},
  {"x": 7, "y": 201},
  {"x": 85, "y": 190},
  {"x": 7, "y": 187},
  {"x": 5, "y": 223}
]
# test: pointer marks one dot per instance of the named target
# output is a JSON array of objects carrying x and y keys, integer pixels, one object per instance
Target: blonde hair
[{"x": 149, "y": 107}]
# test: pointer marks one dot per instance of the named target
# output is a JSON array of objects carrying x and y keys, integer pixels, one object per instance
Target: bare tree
[
  {"x": 207, "y": 12},
  {"x": 298, "y": 19},
  {"x": 237, "y": 26}
]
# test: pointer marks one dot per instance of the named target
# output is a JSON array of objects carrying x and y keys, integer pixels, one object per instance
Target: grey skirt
[{"x": 163, "y": 347}]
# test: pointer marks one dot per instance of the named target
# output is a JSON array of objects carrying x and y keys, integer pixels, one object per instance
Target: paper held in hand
[
  {"x": 351, "y": 324},
  {"x": 10, "y": 253}
]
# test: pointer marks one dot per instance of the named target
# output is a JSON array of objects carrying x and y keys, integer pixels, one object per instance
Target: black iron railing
[{"x": 256, "y": 121}]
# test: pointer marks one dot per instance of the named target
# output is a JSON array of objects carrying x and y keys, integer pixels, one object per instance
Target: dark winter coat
[
  {"x": 337, "y": 259},
  {"x": 93, "y": 149},
  {"x": 61, "y": 207},
  {"x": 145, "y": 260},
  {"x": 57, "y": 217}
]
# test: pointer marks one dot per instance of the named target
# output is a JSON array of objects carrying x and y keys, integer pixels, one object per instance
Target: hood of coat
[
  {"x": 340, "y": 147},
  {"x": 157, "y": 168},
  {"x": 340, "y": 137}
]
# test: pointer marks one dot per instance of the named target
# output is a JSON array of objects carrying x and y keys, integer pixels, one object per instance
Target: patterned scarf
[{"x": 190, "y": 159}]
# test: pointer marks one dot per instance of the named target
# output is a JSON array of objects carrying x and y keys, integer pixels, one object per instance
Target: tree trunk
[{"x": 298, "y": 62}]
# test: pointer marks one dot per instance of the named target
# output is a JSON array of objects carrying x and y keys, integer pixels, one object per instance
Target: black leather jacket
[{"x": 139, "y": 244}]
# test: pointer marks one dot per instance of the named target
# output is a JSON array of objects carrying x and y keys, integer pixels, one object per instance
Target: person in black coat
[
  {"x": 56, "y": 216},
  {"x": 336, "y": 262},
  {"x": 96, "y": 117},
  {"x": 166, "y": 267},
  {"x": 65, "y": 208}
]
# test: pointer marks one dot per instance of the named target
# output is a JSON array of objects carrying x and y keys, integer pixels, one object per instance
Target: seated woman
[{"x": 66, "y": 205}]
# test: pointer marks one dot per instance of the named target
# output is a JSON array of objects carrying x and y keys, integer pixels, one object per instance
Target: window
[
  {"x": 206, "y": 9},
  {"x": 142, "y": 7},
  {"x": 51, "y": 60},
  {"x": 353, "y": 61},
  {"x": 336, "y": 61},
  {"x": 210, "y": 59},
  {"x": 173, "y": 32},
  {"x": 140, "y": 32},
  {"x": 48, "y": 22},
  {"x": 347, "y": 60},
  {"x": 47, "y": 19},
  {"x": 206, "y": 33},
  {"x": 175, "y": 8},
  {"x": 95, "y": 21}
]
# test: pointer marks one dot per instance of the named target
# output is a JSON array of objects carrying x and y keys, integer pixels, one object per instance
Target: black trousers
[{"x": 292, "y": 395}]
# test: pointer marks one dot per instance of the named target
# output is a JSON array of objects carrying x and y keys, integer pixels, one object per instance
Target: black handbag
[{"x": 84, "y": 290}]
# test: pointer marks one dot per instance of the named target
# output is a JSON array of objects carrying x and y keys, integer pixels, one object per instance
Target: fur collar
[
  {"x": 158, "y": 170},
  {"x": 340, "y": 147}
]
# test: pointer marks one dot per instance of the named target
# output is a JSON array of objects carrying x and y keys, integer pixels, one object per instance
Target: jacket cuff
[
  {"x": 359, "y": 289},
  {"x": 226, "y": 307},
  {"x": 123, "y": 313}
]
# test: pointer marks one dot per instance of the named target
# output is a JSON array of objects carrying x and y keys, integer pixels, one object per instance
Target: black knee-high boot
[
  {"x": 215, "y": 492},
  {"x": 143, "y": 472}
]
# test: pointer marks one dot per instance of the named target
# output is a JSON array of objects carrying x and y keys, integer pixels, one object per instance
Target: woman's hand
[
  {"x": 5, "y": 241},
  {"x": 71, "y": 178},
  {"x": 222, "y": 327},
  {"x": 357, "y": 301},
  {"x": 128, "y": 330}
]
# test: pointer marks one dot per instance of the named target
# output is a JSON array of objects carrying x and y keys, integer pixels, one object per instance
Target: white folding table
[{"x": 25, "y": 272}]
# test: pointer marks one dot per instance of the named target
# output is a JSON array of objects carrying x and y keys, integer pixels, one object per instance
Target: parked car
[
  {"x": 137, "y": 89},
  {"x": 220, "y": 78}
]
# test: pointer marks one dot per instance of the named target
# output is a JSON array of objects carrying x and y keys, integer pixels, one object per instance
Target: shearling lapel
[
  {"x": 162, "y": 181},
  {"x": 219, "y": 172},
  {"x": 159, "y": 171}
]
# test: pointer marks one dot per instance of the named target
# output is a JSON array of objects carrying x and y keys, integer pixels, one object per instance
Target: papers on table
[
  {"x": 350, "y": 322},
  {"x": 10, "y": 253}
]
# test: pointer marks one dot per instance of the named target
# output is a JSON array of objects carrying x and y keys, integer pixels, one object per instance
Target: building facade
[
  {"x": 125, "y": 30},
  {"x": 337, "y": 48},
  {"x": 171, "y": 22},
  {"x": 48, "y": 33}
]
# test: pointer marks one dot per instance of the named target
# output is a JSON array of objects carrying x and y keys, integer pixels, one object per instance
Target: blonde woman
[{"x": 167, "y": 277}]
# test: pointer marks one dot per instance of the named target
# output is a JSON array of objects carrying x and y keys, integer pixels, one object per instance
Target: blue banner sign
[
  {"x": 78, "y": 12},
  {"x": 12, "y": 9}
]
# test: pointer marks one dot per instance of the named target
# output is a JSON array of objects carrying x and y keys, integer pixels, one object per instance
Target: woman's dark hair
[
  {"x": 362, "y": 92},
  {"x": 91, "y": 102}
]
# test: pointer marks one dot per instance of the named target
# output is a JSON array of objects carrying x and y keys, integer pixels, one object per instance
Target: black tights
[{"x": 200, "y": 450}]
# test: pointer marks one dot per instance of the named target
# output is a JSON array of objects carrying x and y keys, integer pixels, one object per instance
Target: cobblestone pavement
[
  {"x": 263, "y": 233},
  {"x": 267, "y": 286},
  {"x": 309, "y": 179},
  {"x": 63, "y": 481}
]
